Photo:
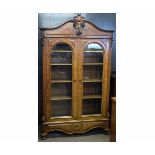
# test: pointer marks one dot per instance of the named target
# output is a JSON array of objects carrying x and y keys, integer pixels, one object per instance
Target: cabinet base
[{"x": 74, "y": 127}]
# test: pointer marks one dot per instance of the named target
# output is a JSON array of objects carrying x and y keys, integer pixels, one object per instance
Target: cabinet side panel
[
  {"x": 45, "y": 79},
  {"x": 45, "y": 114},
  {"x": 109, "y": 46}
]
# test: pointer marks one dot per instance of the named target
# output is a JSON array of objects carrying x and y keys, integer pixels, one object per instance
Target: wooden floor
[{"x": 96, "y": 135}]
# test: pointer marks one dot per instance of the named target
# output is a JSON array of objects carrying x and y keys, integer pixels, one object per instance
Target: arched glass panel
[
  {"x": 92, "y": 79},
  {"x": 61, "y": 80}
]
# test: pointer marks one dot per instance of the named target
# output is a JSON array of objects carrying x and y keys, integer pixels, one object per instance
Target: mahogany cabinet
[{"x": 76, "y": 77}]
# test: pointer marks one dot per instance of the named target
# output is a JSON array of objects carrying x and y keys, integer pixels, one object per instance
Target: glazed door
[
  {"x": 63, "y": 76},
  {"x": 91, "y": 79}
]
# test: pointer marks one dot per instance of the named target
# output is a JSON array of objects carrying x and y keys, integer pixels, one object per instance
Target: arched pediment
[{"x": 77, "y": 27}]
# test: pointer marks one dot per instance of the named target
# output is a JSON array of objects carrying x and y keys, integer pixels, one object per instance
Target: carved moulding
[
  {"x": 44, "y": 41},
  {"x": 76, "y": 127},
  {"x": 111, "y": 42},
  {"x": 105, "y": 43},
  {"x": 73, "y": 130},
  {"x": 79, "y": 24},
  {"x": 80, "y": 127},
  {"x": 84, "y": 42}
]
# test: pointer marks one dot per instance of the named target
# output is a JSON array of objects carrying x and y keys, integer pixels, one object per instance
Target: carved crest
[{"x": 79, "y": 24}]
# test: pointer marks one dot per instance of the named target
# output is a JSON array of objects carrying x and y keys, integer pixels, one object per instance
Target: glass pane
[
  {"x": 91, "y": 106},
  {"x": 92, "y": 72},
  {"x": 92, "y": 79},
  {"x": 61, "y": 57},
  {"x": 93, "y": 53},
  {"x": 94, "y": 88},
  {"x": 62, "y": 47},
  {"x": 61, "y": 89},
  {"x": 93, "y": 47},
  {"x": 61, "y": 72},
  {"x": 61, "y": 108},
  {"x": 93, "y": 57},
  {"x": 61, "y": 80},
  {"x": 61, "y": 54}
]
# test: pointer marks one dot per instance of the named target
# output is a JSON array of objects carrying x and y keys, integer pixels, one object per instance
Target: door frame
[
  {"x": 82, "y": 43},
  {"x": 47, "y": 77}
]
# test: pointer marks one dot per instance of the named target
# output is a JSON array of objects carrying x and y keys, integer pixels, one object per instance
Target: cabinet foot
[
  {"x": 44, "y": 132},
  {"x": 106, "y": 131},
  {"x": 44, "y": 136}
]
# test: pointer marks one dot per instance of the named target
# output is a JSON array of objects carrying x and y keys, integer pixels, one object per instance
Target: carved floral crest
[{"x": 79, "y": 24}]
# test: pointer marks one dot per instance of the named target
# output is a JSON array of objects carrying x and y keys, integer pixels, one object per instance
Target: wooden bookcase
[{"x": 76, "y": 77}]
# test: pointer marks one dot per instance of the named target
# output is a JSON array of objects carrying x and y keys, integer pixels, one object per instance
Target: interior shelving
[
  {"x": 93, "y": 80},
  {"x": 61, "y": 51},
  {"x": 91, "y": 96},
  {"x": 61, "y": 98},
  {"x": 93, "y": 64},
  {"x": 61, "y": 64},
  {"x": 60, "y": 81}
]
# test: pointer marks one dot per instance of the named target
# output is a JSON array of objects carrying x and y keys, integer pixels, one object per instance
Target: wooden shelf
[
  {"x": 92, "y": 115},
  {"x": 91, "y": 96},
  {"x": 61, "y": 98},
  {"x": 60, "y": 64},
  {"x": 93, "y": 51},
  {"x": 92, "y": 80},
  {"x": 61, "y": 81},
  {"x": 93, "y": 64},
  {"x": 61, "y": 51}
]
